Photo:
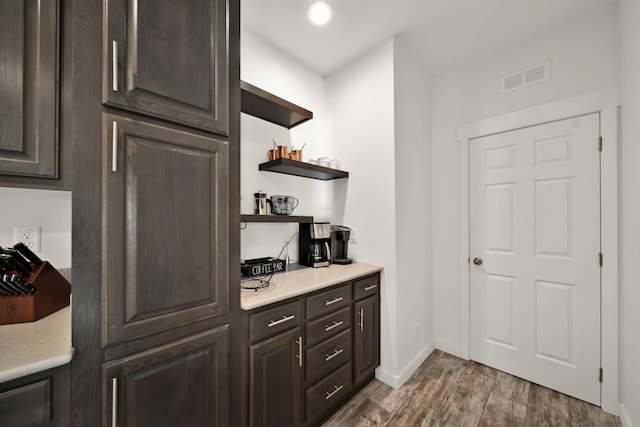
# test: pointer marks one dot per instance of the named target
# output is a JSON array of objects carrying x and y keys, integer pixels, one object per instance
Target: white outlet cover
[
  {"x": 353, "y": 236},
  {"x": 30, "y": 236}
]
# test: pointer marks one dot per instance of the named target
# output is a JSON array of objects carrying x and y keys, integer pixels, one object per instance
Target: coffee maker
[
  {"x": 313, "y": 247},
  {"x": 340, "y": 244}
]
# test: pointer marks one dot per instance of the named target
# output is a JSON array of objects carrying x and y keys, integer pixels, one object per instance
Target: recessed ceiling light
[{"x": 319, "y": 13}]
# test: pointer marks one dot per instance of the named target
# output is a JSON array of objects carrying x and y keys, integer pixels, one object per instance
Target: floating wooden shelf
[
  {"x": 276, "y": 218},
  {"x": 264, "y": 105},
  {"x": 307, "y": 170}
]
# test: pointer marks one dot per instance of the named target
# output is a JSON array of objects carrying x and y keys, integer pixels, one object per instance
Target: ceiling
[{"x": 443, "y": 34}]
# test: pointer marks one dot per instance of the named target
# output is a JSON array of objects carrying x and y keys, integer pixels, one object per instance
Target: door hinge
[
  {"x": 600, "y": 259},
  {"x": 600, "y": 375},
  {"x": 600, "y": 144}
]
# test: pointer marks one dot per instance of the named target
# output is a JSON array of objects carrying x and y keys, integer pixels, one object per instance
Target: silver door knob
[{"x": 477, "y": 261}]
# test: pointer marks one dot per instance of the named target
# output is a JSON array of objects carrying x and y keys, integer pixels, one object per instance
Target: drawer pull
[
  {"x": 114, "y": 147},
  {"x": 114, "y": 65},
  {"x": 333, "y": 301},
  {"x": 327, "y": 328},
  {"x": 284, "y": 319},
  {"x": 299, "y": 355},
  {"x": 368, "y": 288},
  {"x": 114, "y": 402},
  {"x": 330, "y": 394},
  {"x": 328, "y": 357}
]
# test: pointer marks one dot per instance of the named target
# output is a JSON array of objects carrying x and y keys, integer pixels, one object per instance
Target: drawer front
[
  {"x": 328, "y": 301},
  {"x": 328, "y": 326},
  {"x": 328, "y": 391},
  {"x": 274, "y": 320},
  {"x": 328, "y": 355},
  {"x": 29, "y": 405},
  {"x": 366, "y": 287}
]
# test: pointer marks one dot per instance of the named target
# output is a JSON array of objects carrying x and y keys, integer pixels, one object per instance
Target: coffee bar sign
[{"x": 262, "y": 267}]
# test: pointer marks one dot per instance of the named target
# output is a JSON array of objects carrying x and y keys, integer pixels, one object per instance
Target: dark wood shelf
[
  {"x": 307, "y": 170},
  {"x": 266, "y": 106},
  {"x": 276, "y": 218}
]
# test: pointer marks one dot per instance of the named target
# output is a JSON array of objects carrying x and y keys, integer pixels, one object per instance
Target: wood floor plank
[
  {"x": 448, "y": 391},
  {"x": 466, "y": 404}
]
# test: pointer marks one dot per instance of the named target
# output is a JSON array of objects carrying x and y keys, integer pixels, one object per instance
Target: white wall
[
  {"x": 583, "y": 56},
  {"x": 272, "y": 70},
  {"x": 414, "y": 295},
  {"x": 380, "y": 114},
  {"x": 630, "y": 213},
  {"x": 51, "y": 210},
  {"x": 361, "y": 101}
]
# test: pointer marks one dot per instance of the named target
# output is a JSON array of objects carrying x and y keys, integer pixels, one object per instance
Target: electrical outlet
[
  {"x": 353, "y": 236},
  {"x": 30, "y": 236}
]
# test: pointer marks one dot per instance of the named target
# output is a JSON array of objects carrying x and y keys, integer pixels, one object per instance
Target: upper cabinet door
[
  {"x": 168, "y": 59},
  {"x": 166, "y": 228},
  {"x": 29, "y": 88}
]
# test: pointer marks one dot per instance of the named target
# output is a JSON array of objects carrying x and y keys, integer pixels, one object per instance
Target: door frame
[{"x": 606, "y": 103}]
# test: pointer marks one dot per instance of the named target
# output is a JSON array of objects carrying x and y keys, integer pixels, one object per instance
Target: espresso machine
[
  {"x": 313, "y": 247},
  {"x": 340, "y": 244}
]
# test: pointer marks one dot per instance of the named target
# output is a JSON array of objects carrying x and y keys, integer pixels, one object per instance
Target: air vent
[{"x": 525, "y": 78}]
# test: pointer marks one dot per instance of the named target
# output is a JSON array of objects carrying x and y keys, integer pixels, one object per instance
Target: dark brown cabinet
[
  {"x": 366, "y": 337},
  {"x": 275, "y": 380},
  {"x": 40, "y": 399},
  {"x": 166, "y": 228},
  {"x": 155, "y": 115},
  {"x": 167, "y": 60},
  {"x": 29, "y": 131},
  {"x": 175, "y": 385},
  {"x": 329, "y": 349}
]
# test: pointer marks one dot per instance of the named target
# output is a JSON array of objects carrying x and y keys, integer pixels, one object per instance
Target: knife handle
[
  {"x": 22, "y": 284},
  {"x": 27, "y": 253},
  {"x": 15, "y": 263}
]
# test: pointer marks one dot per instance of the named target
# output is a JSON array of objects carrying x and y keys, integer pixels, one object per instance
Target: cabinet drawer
[
  {"x": 274, "y": 320},
  {"x": 328, "y": 355},
  {"x": 328, "y": 391},
  {"x": 366, "y": 287},
  {"x": 328, "y": 301},
  {"x": 328, "y": 326},
  {"x": 29, "y": 405}
]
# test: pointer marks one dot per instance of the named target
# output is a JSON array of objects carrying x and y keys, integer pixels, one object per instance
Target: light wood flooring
[{"x": 448, "y": 391}]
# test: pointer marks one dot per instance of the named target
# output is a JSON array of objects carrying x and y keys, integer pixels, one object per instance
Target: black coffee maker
[
  {"x": 340, "y": 244},
  {"x": 313, "y": 247}
]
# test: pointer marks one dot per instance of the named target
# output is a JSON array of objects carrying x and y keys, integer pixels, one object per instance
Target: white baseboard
[
  {"x": 452, "y": 349},
  {"x": 624, "y": 417},
  {"x": 397, "y": 381}
]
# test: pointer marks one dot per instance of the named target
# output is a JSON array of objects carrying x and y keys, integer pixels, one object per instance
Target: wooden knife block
[{"x": 52, "y": 293}]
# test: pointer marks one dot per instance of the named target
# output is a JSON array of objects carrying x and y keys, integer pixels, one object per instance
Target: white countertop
[
  {"x": 27, "y": 348},
  {"x": 293, "y": 283}
]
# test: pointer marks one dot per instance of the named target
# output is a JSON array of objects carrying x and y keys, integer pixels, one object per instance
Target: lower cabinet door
[
  {"x": 275, "y": 380},
  {"x": 366, "y": 352},
  {"x": 184, "y": 383}
]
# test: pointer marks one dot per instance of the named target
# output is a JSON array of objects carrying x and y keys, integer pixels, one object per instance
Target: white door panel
[{"x": 535, "y": 222}]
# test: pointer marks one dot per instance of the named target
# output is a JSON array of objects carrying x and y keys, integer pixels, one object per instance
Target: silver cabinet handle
[
  {"x": 329, "y": 394},
  {"x": 328, "y": 357},
  {"x": 284, "y": 319},
  {"x": 299, "y": 356},
  {"x": 368, "y": 288},
  {"x": 114, "y": 64},
  {"x": 333, "y": 301},
  {"x": 361, "y": 314},
  {"x": 327, "y": 328},
  {"x": 114, "y": 147},
  {"x": 114, "y": 402}
]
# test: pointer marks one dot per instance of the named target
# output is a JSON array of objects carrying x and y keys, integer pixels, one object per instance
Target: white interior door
[{"x": 535, "y": 231}]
